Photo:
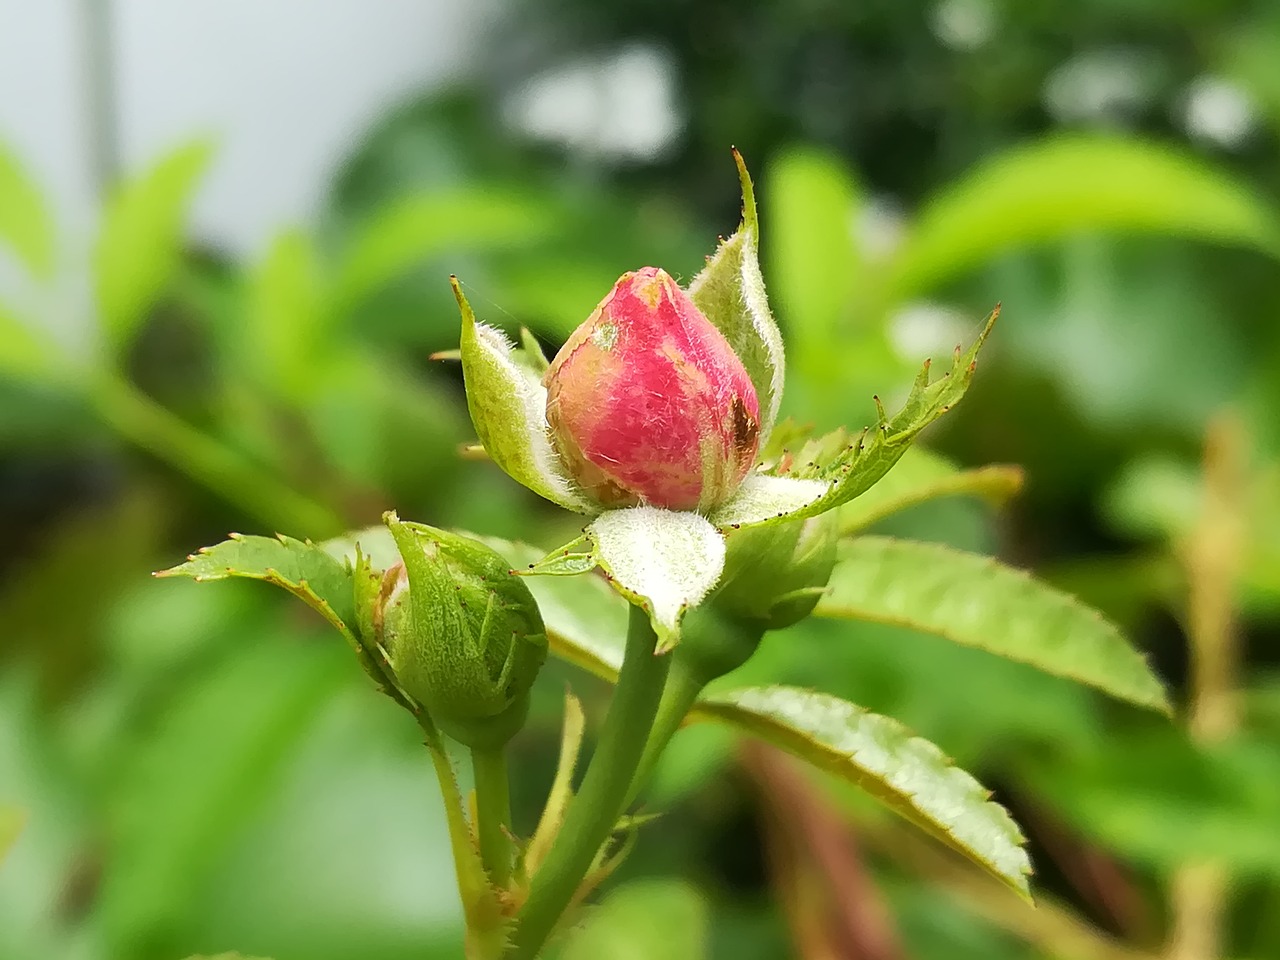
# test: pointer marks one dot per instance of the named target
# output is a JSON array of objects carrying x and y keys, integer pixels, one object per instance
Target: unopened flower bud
[
  {"x": 648, "y": 403},
  {"x": 462, "y": 633}
]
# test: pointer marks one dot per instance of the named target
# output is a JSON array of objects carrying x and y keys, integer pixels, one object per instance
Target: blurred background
[{"x": 225, "y": 232}]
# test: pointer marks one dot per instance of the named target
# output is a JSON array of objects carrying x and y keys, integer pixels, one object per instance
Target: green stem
[
  {"x": 678, "y": 698},
  {"x": 594, "y": 812},
  {"x": 493, "y": 812},
  {"x": 152, "y": 427}
]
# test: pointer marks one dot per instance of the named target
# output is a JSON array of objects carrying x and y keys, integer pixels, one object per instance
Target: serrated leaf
[
  {"x": 852, "y": 467},
  {"x": 25, "y": 223},
  {"x": 664, "y": 561},
  {"x": 922, "y": 475},
  {"x": 1097, "y": 183},
  {"x": 508, "y": 406},
  {"x": 304, "y": 569},
  {"x": 12, "y": 820},
  {"x": 978, "y": 602},
  {"x": 730, "y": 292},
  {"x": 140, "y": 242},
  {"x": 907, "y": 773}
]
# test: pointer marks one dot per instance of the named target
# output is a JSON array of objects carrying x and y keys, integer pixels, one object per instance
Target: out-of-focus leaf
[
  {"x": 1049, "y": 189},
  {"x": 922, "y": 475},
  {"x": 225, "y": 956},
  {"x": 643, "y": 919},
  {"x": 284, "y": 307},
  {"x": 140, "y": 243},
  {"x": 25, "y": 224},
  {"x": 1154, "y": 498},
  {"x": 1159, "y": 800},
  {"x": 24, "y": 353},
  {"x": 415, "y": 228},
  {"x": 304, "y": 569},
  {"x": 908, "y": 774},
  {"x": 12, "y": 820},
  {"x": 979, "y": 602},
  {"x": 216, "y": 753}
]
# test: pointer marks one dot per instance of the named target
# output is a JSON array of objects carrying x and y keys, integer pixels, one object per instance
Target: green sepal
[
  {"x": 467, "y": 641},
  {"x": 848, "y": 466},
  {"x": 775, "y": 574},
  {"x": 663, "y": 561},
  {"x": 730, "y": 292},
  {"x": 507, "y": 402}
]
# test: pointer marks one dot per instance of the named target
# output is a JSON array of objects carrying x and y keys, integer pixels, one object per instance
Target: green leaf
[
  {"x": 1066, "y": 184},
  {"x": 848, "y": 467},
  {"x": 140, "y": 244},
  {"x": 12, "y": 820},
  {"x": 730, "y": 291},
  {"x": 304, "y": 569},
  {"x": 978, "y": 602},
  {"x": 644, "y": 919},
  {"x": 664, "y": 561},
  {"x": 225, "y": 956},
  {"x": 508, "y": 406},
  {"x": 25, "y": 223},
  {"x": 26, "y": 355},
  {"x": 908, "y": 774},
  {"x": 920, "y": 476},
  {"x": 283, "y": 330},
  {"x": 415, "y": 228},
  {"x": 210, "y": 761}
]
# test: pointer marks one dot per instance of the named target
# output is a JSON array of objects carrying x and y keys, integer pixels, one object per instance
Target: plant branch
[
  {"x": 594, "y": 812},
  {"x": 493, "y": 813},
  {"x": 1211, "y": 556}
]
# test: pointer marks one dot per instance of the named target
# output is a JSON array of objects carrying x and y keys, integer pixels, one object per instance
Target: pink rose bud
[{"x": 648, "y": 403}]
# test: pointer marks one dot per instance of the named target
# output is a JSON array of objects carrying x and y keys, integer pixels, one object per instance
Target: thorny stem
[
  {"x": 1211, "y": 557},
  {"x": 493, "y": 813},
  {"x": 593, "y": 813}
]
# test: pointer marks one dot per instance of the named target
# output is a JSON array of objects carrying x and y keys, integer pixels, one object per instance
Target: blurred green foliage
[{"x": 200, "y": 771}]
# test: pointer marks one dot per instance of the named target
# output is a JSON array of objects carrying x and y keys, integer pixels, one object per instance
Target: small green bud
[
  {"x": 462, "y": 633},
  {"x": 774, "y": 575}
]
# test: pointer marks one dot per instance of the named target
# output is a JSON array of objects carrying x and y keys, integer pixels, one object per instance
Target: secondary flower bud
[
  {"x": 648, "y": 403},
  {"x": 462, "y": 633}
]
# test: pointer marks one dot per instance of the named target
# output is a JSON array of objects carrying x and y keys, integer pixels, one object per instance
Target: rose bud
[
  {"x": 648, "y": 403},
  {"x": 462, "y": 633}
]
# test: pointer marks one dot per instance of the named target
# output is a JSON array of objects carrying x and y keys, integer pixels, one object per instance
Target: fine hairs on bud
[{"x": 648, "y": 403}]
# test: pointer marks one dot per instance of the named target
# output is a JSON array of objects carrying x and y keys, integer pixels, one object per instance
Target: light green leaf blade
[
  {"x": 12, "y": 820},
  {"x": 304, "y": 569},
  {"x": 226, "y": 956},
  {"x": 508, "y": 406},
  {"x": 412, "y": 229},
  {"x": 25, "y": 223},
  {"x": 922, "y": 475},
  {"x": 284, "y": 314},
  {"x": 664, "y": 561},
  {"x": 140, "y": 243},
  {"x": 852, "y": 467},
  {"x": 908, "y": 774},
  {"x": 643, "y": 920},
  {"x": 978, "y": 602},
  {"x": 730, "y": 291},
  {"x": 1065, "y": 184},
  {"x": 25, "y": 355}
]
